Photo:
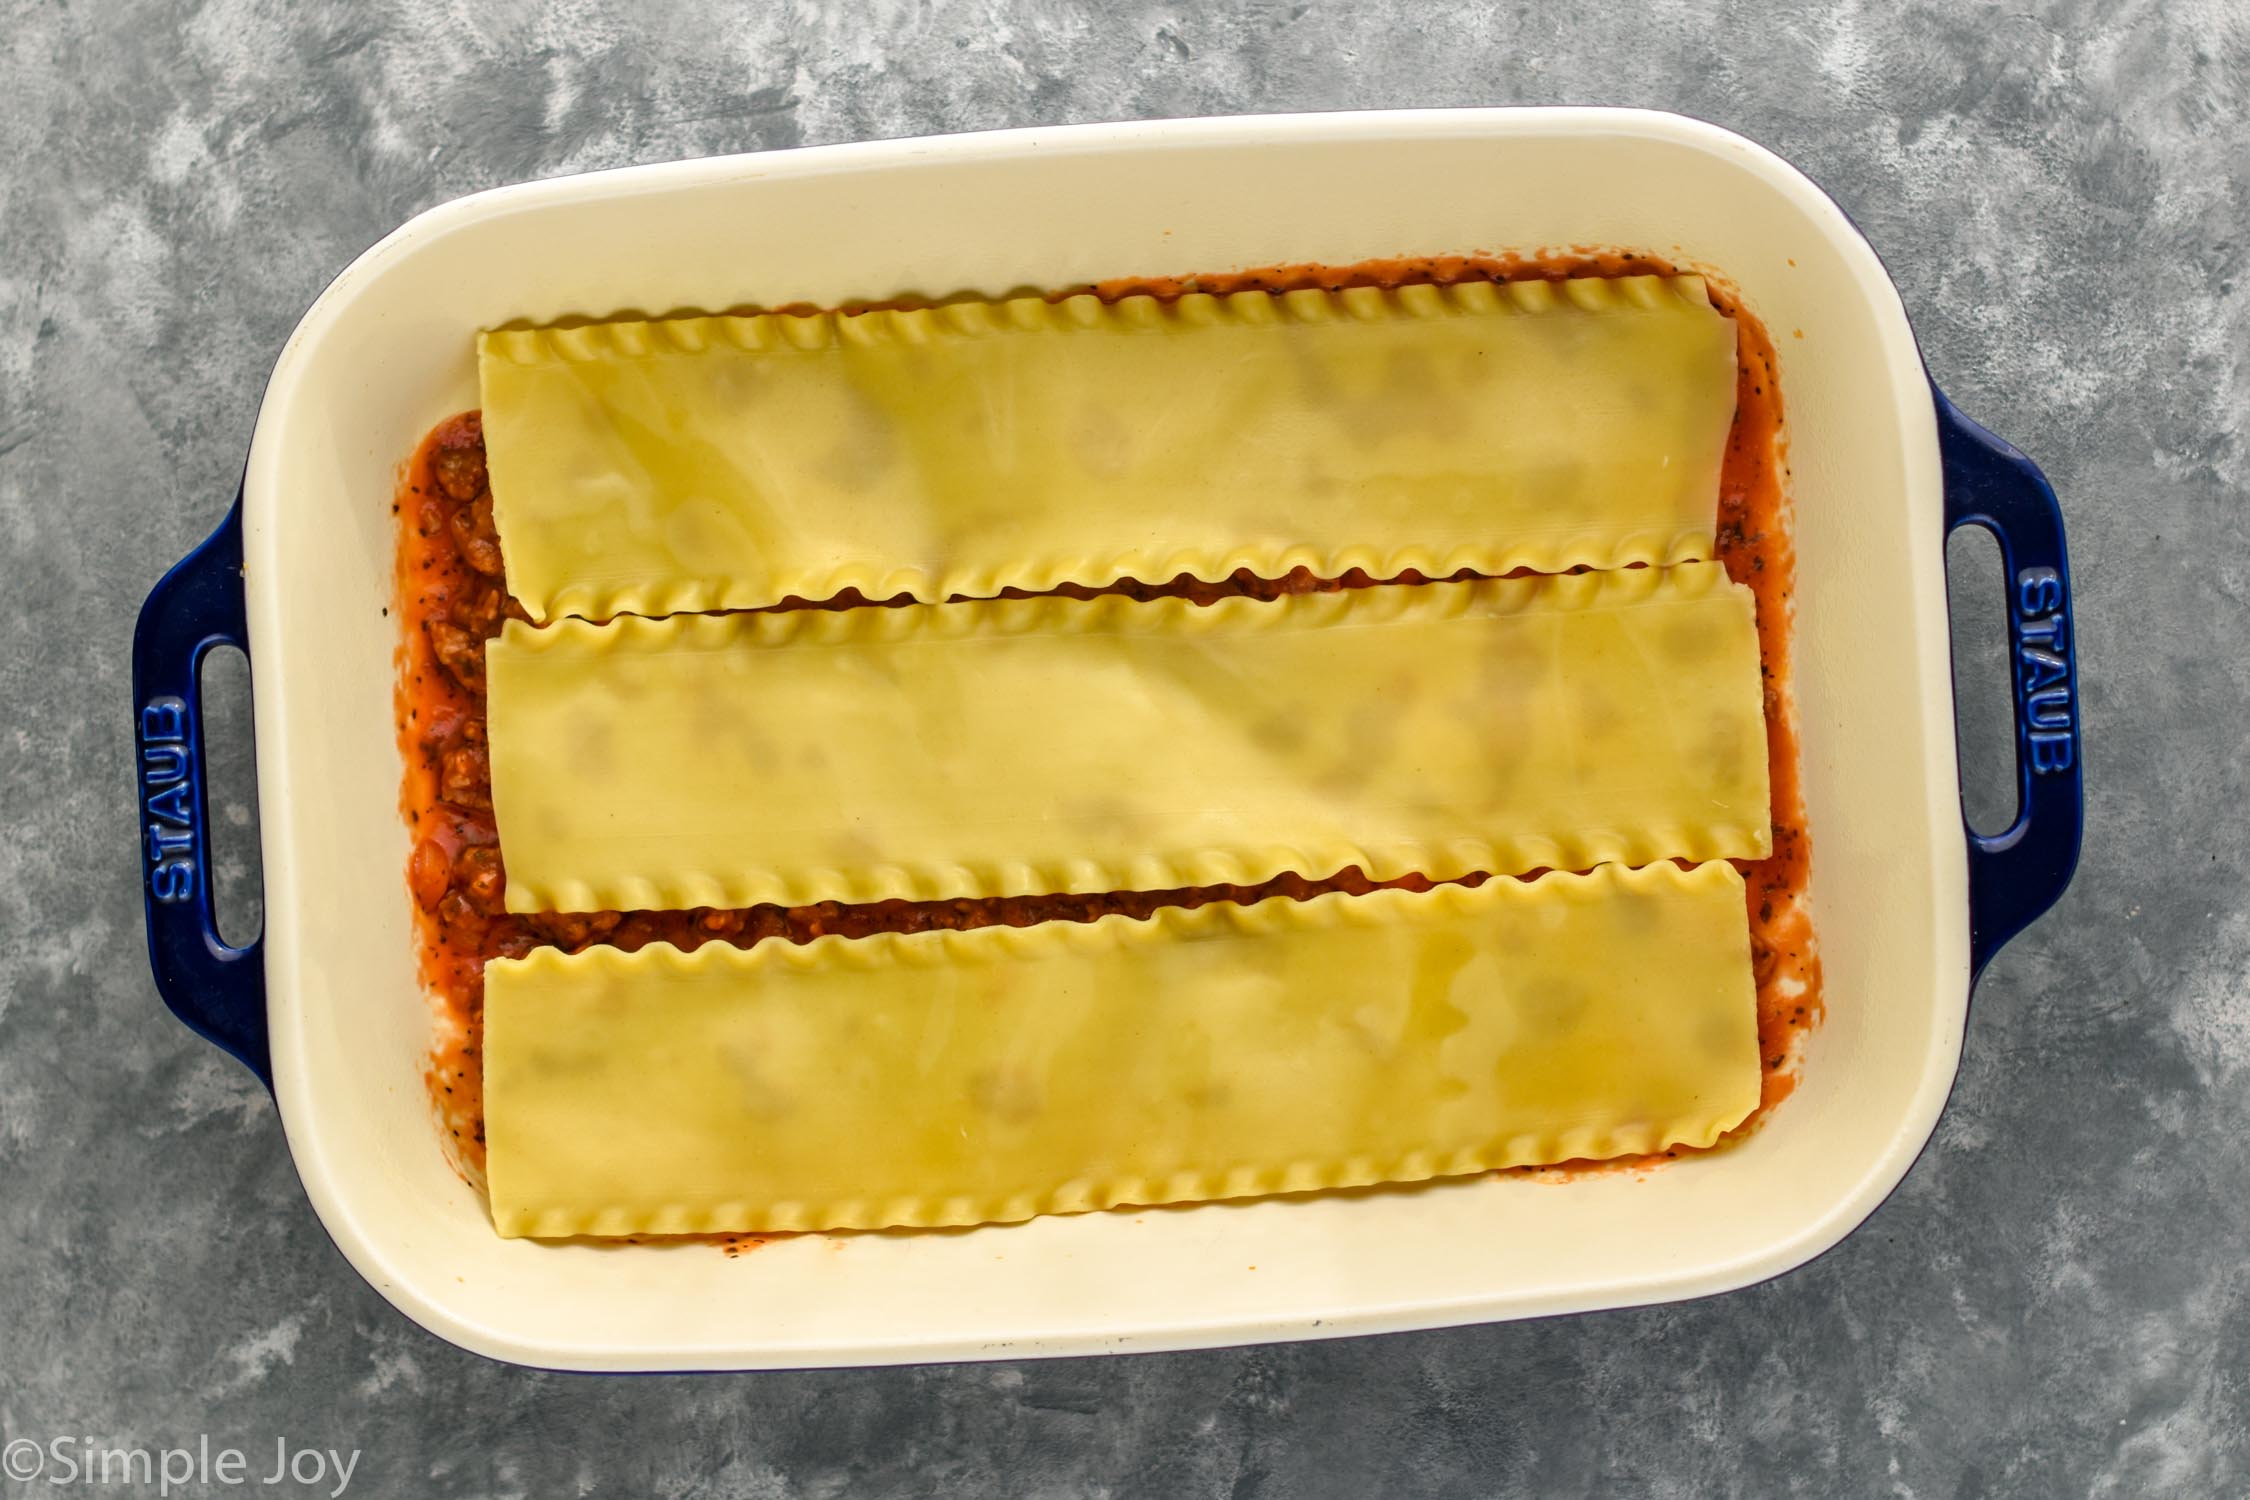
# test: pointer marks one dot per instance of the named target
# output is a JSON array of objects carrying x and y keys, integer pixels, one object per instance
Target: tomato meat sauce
[{"x": 452, "y": 597}]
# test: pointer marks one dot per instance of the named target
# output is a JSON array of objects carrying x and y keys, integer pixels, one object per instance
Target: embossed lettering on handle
[
  {"x": 168, "y": 799},
  {"x": 2043, "y": 677}
]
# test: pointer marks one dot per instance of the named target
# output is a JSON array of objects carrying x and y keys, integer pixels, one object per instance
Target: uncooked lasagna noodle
[
  {"x": 1010, "y": 747},
  {"x": 732, "y": 462},
  {"x": 987, "y": 1076}
]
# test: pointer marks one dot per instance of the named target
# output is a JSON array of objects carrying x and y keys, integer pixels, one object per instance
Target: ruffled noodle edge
[
  {"x": 1450, "y": 860},
  {"x": 1086, "y": 1195},
  {"x": 1120, "y": 614},
  {"x": 1167, "y": 925},
  {"x": 1083, "y": 312},
  {"x": 1595, "y": 548}
]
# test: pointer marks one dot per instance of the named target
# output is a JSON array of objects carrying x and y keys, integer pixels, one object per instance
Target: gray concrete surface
[{"x": 2056, "y": 1302}]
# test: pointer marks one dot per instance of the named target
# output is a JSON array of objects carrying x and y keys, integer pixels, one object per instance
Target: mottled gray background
[{"x": 2055, "y": 1303}]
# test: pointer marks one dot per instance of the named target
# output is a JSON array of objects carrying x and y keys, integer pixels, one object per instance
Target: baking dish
[{"x": 1910, "y": 905}]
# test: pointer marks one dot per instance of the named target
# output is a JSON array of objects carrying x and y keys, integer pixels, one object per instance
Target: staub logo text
[
  {"x": 168, "y": 799},
  {"x": 2050, "y": 718}
]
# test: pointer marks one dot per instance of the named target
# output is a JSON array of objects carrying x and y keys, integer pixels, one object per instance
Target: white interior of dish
[{"x": 386, "y": 352}]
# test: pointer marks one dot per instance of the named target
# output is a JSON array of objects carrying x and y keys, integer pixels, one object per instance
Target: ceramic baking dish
[{"x": 326, "y": 1007}]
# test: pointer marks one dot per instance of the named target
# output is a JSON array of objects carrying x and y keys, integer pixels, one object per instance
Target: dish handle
[
  {"x": 218, "y": 990},
  {"x": 2017, "y": 874}
]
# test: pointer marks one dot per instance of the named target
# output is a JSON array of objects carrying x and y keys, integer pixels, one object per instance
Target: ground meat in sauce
[
  {"x": 458, "y": 467},
  {"x": 462, "y": 652},
  {"x": 465, "y": 777},
  {"x": 479, "y": 614},
  {"x": 474, "y": 536},
  {"x": 452, "y": 587},
  {"x": 477, "y": 871}
]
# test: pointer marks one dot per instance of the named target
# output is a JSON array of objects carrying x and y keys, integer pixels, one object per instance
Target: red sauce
[{"x": 451, "y": 597}]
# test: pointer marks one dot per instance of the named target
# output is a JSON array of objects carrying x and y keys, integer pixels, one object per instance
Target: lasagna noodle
[
  {"x": 1013, "y": 747},
  {"x": 733, "y": 462},
  {"x": 991, "y": 1075}
]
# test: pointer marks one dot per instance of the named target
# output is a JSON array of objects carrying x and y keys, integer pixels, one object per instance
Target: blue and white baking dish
[{"x": 326, "y": 1006}]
